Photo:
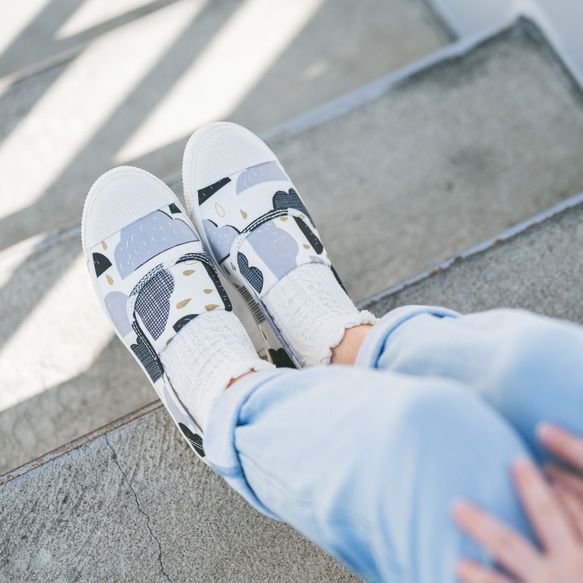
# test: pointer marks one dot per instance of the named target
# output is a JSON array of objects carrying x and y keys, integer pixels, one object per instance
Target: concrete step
[
  {"x": 134, "y": 93},
  {"x": 399, "y": 176},
  {"x": 131, "y": 502}
]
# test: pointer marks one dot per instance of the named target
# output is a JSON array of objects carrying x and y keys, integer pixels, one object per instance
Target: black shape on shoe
[
  {"x": 281, "y": 358},
  {"x": 193, "y": 438},
  {"x": 252, "y": 274},
  {"x": 183, "y": 321},
  {"x": 206, "y": 192},
  {"x": 310, "y": 236},
  {"x": 101, "y": 264}
]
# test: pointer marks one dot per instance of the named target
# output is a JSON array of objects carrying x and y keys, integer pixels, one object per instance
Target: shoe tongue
[{"x": 273, "y": 249}]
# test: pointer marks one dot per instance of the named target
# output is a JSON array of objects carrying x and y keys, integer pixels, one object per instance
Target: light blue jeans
[{"x": 366, "y": 461}]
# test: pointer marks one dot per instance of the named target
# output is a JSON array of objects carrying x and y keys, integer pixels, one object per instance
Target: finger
[
  {"x": 508, "y": 547},
  {"x": 472, "y": 572},
  {"x": 573, "y": 508},
  {"x": 565, "y": 477},
  {"x": 561, "y": 442},
  {"x": 542, "y": 508}
]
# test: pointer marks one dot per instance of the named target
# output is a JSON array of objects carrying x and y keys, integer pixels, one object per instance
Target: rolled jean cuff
[
  {"x": 219, "y": 438},
  {"x": 374, "y": 343}
]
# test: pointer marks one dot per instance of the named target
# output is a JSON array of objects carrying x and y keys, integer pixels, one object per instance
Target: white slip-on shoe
[
  {"x": 151, "y": 274},
  {"x": 250, "y": 219}
]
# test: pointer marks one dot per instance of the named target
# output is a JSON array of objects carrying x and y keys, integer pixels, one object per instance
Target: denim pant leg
[
  {"x": 528, "y": 367},
  {"x": 366, "y": 464}
]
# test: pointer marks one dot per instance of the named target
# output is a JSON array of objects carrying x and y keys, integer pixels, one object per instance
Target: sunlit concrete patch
[
  {"x": 230, "y": 66},
  {"x": 94, "y": 12},
  {"x": 62, "y": 370},
  {"x": 60, "y": 338},
  {"x": 15, "y": 17},
  {"x": 86, "y": 94},
  {"x": 341, "y": 46}
]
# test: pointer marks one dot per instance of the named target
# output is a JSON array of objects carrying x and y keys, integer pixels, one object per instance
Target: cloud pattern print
[
  {"x": 145, "y": 273},
  {"x": 259, "y": 246}
]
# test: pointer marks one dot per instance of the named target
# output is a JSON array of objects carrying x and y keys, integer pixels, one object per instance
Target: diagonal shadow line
[
  {"x": 40, "y": 29},
  {"x": 47, "y": 23},
  {"x": 129, "y": 116},
  {"x": 20, "y": 98}
]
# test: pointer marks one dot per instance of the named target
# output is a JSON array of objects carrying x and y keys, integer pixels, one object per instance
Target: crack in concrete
[{"x": 139, "y": 509}]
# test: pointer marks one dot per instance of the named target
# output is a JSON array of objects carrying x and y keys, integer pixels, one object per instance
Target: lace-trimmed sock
[
  {"x": 313, "y": 312},
  {"x": 204, "y": 356}
]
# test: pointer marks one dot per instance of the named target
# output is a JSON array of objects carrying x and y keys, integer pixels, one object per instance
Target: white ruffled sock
[
  {"x": 313, "y": 312},
  {"x": 204, "y": 356}
]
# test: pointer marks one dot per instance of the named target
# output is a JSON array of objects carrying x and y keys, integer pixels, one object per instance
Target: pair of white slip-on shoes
[{"x": 154, "y": 271}]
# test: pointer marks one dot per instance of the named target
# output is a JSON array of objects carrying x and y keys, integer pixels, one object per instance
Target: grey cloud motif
[
  {"x": 220, "y": 238},
  {"x": 276, "y": 248},
  {"x": 148, "y": 237},
  {"x": 266, "y": 172},
  {"x": 116, "y": 303}
]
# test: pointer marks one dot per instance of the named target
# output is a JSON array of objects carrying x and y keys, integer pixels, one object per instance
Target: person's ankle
[
  {"x": 236, "y": 380},
  {"x": 347, "y": 351}
]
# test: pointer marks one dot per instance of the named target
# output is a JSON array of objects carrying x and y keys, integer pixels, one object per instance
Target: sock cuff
[
  {"x": 313, "y": 312},
  {"x": 205, "y": 356},
  {"x": 350, "y": 321}
]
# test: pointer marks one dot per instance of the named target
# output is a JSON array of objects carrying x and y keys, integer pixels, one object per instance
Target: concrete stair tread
[
  {"x": 100, "y": 514},
  {"x": 40, "y": 34},
  {"x": 136, "y": 92},
  {"x": 174, "y": 517},
  {"x": 397, "y": 184}
]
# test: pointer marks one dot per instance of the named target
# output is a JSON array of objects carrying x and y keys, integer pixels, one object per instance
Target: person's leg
[
  {"x": 367, "y": 463},
  {"x": 528, "y": 367}
]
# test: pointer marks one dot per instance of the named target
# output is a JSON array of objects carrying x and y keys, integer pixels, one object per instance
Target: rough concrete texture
[
  {"x": 539, "y": 270},
  {"x": 136, "y": 505},
  {"x": 450, "y": 158},
  {"x": 134, "y": 94}
]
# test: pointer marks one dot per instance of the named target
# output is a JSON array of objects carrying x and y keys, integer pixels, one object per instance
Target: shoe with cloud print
[
  {"x": 151, "y": 273},
  {"x": 250, "y": 218}
]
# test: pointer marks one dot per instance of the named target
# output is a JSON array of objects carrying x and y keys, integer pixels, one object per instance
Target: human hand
[
  {"x": 561, "y": 557},
  {"x": 568, "y": 485}
]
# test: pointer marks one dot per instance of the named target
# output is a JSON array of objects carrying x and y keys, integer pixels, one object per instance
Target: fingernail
[{"x": 546, "y": 431}]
